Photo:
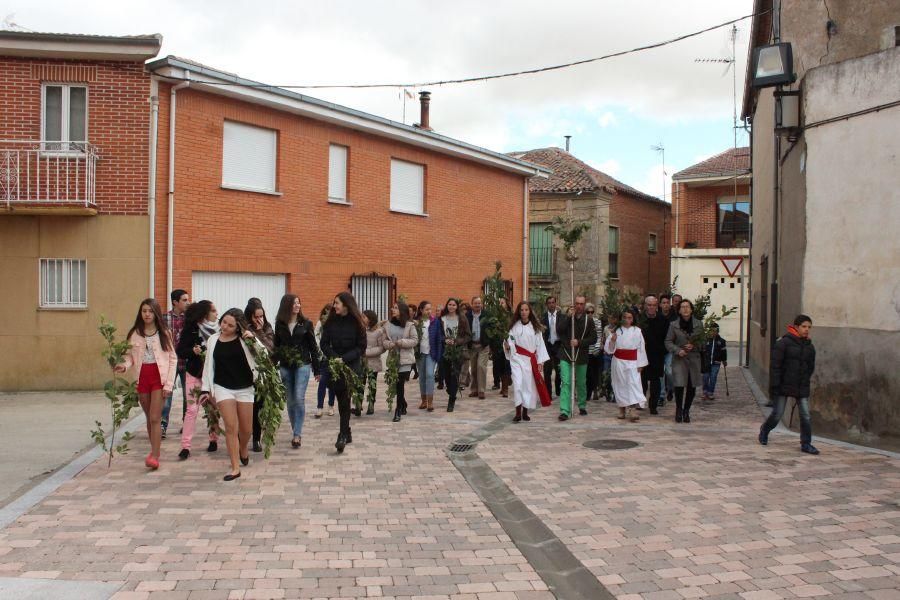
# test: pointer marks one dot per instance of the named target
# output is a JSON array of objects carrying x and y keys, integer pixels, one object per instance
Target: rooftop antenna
[
  {"x": 568, "y": 137},
  {"x": 661, "y": 149}
]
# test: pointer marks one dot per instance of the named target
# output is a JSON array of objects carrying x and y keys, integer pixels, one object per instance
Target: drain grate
[
  {"x": 610, "y": 444},
  {"x": 460, "y": 448}
]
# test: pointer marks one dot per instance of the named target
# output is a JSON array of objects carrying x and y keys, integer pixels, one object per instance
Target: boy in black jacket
[
  {"x": 793, "y": 363},
  {"x": 717, "y": 357}
]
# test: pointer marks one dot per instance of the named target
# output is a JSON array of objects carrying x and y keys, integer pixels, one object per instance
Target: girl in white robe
[
  {"x": 626, "y": 346},
  {"x": 525, "y": 335}
]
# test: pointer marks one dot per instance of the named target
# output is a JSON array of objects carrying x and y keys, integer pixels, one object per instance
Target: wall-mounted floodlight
[{"x": 773, "y": 65}]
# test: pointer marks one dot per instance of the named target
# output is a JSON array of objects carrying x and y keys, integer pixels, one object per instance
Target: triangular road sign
[{"x": 731, "y": 264}]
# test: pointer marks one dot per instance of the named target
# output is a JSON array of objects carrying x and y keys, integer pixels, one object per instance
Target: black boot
[
  {"x": 525, "y": 416},
  {"x": 349, "y": 437},
  {"x": 371, "y": 409},
  {"x": 450, "y": 404},
  {"x": 396, "y": 414},
  {"x": 678, "y": 413},
  {"x": 340, "y": 443},
  {"x": 518, "y": 416}
]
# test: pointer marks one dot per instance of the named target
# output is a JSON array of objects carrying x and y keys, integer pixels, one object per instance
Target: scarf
[
  {"x": 793, "y": 331},
  {"x": 208, "y": 329},
  {"x": 686, "y": 326}
]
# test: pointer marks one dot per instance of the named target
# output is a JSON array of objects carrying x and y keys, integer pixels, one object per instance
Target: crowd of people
[{"x": 641, "y": 355}]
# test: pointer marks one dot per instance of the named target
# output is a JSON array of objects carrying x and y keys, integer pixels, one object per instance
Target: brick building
[
  {"x": 274, "y": 191},
  {"x": 74, "y": 178},
  {"x": 264, "y": 191},
  {"x": 711, "y": 223},
  {"x": 629, "y": 235}
]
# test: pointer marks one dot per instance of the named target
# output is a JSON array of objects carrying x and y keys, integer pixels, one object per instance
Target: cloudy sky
[{"x": 615, "y": 110}]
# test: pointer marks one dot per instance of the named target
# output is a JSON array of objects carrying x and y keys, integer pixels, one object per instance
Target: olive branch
[
  {"x": 392, "y": 376},
  {"x": 270, "y": 393},
  {"x": 341, "y": 370},
  {"x": 121, "y": 393}
]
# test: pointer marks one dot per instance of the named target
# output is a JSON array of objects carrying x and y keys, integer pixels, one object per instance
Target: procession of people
[{"x": 633, "y": 356}]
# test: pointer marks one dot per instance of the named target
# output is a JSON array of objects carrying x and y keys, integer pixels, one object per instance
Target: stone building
[
  {"x": 628, "y": 238},
  {"x": 826, "y": 205}
]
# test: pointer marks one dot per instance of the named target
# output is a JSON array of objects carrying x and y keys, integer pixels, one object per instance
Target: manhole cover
[
  {"x": 610, "y": 444},
  {"x": 459, "y": 448}
]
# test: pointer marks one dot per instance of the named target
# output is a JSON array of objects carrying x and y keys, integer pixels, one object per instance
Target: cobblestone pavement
[{"x": 697, "y": 510}]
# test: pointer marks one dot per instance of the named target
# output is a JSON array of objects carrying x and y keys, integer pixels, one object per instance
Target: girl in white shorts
[{"x": 228, "y": 374}]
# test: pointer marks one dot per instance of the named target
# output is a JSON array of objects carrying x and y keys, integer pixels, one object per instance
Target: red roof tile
[
  {"x": 572, "y": 175},
  {"x": 721, "y": 165}
]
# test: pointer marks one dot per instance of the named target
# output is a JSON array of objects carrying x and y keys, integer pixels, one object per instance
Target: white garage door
[{"x": 232, "y": 290}]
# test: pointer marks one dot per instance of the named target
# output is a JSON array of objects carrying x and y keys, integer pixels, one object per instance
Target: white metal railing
[{"x": 47, "y": 173}]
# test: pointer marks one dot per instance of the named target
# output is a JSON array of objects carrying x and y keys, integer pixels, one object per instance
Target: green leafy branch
[
  {"x": 702, "y": 305},
  {"x": 122, "y": 394},
  {"x": 496, "y": 318},
  {"x": 270, "y": 394},
  {"x": 568, "y": 230},
  {"x": 341, "y": 370},
  {"x": 392, "y": 376}
]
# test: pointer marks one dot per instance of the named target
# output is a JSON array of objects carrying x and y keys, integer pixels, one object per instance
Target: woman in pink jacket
[{"x": 152, "y": 349}]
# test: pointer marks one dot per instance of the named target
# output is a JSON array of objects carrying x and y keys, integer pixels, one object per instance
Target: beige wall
[
  {"x": 693, "y": 266},
  {"x": 60, "y": 349}
]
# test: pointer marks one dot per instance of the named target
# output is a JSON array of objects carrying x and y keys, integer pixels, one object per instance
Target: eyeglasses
[{"x": 590, "y": 312}]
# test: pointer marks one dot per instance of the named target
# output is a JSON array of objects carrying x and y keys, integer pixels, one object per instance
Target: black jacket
[
  {"x": 344, "y": 338},
  {"x": 585, "y": 333},
  {"x": 655, "y": 331},
  {"x": 552, "y": 349},
  {"x": 190, "y": 337},
  {"x": 716, "y": 351},
  {"x": 303, "y": 339},
  {"x": 484, "y": 322},
  {"x": 792, "y": 366}
]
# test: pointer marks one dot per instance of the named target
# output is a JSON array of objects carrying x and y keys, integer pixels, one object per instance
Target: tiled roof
[
  {"x": 571, "y": 175},
  {"x": 721, "y": 165}
]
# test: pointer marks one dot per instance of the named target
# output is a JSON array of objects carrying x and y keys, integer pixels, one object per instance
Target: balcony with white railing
[{"x": 48, "y": 177}]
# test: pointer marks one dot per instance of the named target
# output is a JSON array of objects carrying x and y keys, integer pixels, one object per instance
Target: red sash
[
  {"x": 626, "y": 354},
  {"x": 538, "y": 377}
]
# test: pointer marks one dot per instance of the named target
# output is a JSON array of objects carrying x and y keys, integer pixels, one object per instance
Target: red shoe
[{"x": 152, "y": 462}]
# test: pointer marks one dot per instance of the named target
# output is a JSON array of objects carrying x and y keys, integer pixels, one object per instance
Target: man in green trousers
[{"x": 574, "y": 349}]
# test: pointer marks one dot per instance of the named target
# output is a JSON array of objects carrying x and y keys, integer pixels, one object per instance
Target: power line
[{"x": 502, "y": 75}]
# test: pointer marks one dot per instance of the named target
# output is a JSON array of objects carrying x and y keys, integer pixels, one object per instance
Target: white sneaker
[{"x": 330, "y": 411}]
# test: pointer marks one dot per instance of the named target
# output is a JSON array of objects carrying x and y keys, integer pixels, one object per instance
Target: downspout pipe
[
  {"x": 525, "y": 237},
  {"x": 170, "y": 247},
  {"x": 151, "y": 190}
]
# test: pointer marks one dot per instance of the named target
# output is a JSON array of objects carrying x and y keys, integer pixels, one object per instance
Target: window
[
  {"x": 540, "y": 250},
  {"x": 375, "y": 292},
  {"x": 733, "y": 223},
  {"x": 248, "y": 157},
  {"x": 63, "y": 283},
  {"x": 64, "y": 122},
  {"x": 337, "y": 173},
  {"x": 651, "y": 245},
  {"x": 614, "y": 252},
  {"x": 407, "y": 187}
]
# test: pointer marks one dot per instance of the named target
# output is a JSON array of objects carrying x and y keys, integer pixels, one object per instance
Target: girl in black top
[
  {"x": 228, "y": 376},
  {"x": 344, "y": 338},
  {"x": 298, "y": 357},
  {"x": 191, "y": 346}
]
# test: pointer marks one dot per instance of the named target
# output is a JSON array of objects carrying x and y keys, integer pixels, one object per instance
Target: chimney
[
  {"x": 568, "y": 137},
  {"x": 424, "y": 103}
]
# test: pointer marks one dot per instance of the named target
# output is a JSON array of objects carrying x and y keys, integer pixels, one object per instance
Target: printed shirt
[
  {"x": 175, "y": 323},
  {"x": 476, "y": 328}
]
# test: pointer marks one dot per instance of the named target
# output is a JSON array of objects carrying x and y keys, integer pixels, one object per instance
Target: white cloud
[
  {"x": 607, "y": 119},
  {"x": 345, "y": 41},
  {"x": 655, "y": 181},
  {"x": 611, "y": 167}
]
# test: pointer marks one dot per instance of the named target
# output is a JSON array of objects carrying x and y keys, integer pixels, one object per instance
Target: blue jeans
[
  {"x": 324, "y": 376},
  {"x": 667, "y": 388},
  {"x": 709, "y": 379},
  {"x": 167, "y": 407},
  {"x": 295, "y": 381},
  {"x": 778, "y": 411},
  {"x": 425, "y": 364}
]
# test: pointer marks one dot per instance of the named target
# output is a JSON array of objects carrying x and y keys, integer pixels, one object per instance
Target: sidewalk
[
  {"x": 697, "y": 510},
  {"x": 41, "y": 431}
]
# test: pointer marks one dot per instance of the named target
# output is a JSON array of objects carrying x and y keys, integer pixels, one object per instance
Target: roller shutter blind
[
  {"x": 407, "y": 187},
  {"x": 249, "y": 157},
  {"x": 337, "y": 173}
]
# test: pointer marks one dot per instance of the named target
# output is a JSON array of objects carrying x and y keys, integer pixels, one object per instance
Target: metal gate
[{"x": 374, "y": 292}]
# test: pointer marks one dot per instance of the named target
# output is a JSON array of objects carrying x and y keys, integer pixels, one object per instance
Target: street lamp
[{"x": 773, "y": 65}]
